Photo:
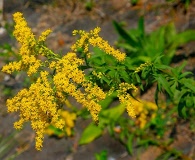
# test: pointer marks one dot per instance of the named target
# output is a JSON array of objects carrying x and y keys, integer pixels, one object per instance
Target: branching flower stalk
[{"x": 42, "y": 103}]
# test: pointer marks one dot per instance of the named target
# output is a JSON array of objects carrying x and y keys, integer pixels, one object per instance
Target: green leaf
[
  {"x": 124, "y": 75},
  {"x": 137, "y": 78},
  {"x": 124, "y": 34},
  {"x": 189, "y": 101},
  {"x": 128, "y": 47},
  {"x": 170, "y": 33},
  {"x": 114, "y": 113},
  {"x": 101, "y": 156},
  {"x": 174, "y": 86},
  {"x": 145, "y": 73},
  {"x": 164, "y": 84},
  {"x": 162, "y": 67},
  {"x": 129, "y": 144},
  {"x": 90, "y": 134},
  {"x": 184, "y": 37},
  {"x": 183, "y": 75},
  {"x": 188, "y": 83},
  {"x": 108, "y": 100},
  {"x": 107, "y": 80},
  {"x": 181, "y": 103},
  {"x": 180, "y": 68},
  {"x": 141, "y": 26}
]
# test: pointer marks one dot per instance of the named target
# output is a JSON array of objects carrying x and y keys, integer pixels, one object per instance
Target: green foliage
[
  {"x": 89, "y": 5},
  {"x": 101, "y": 156},
  {"x": 90, "y": 133},
  {"x": 134, "y": 2},
  {"x": 143, "y": 47},
  {"x": 144, "y": 66},
  {"x": 107, "y": 117}
]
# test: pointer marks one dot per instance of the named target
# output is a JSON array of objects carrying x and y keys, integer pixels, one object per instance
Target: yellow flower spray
[{"x": 43, "y": 103}]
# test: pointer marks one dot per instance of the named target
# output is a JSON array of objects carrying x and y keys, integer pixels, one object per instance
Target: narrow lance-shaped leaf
[
  {"x": 124, "y": 34},
  {"x": 141, "y": 26},
  {"x": 181, "y": 103},
  {"x": 129, "y": 144},
  {"x": 188, "y": 83}
]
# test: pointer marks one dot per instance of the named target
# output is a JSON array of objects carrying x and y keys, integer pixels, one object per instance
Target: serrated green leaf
[{"x": 90, "y": 134}]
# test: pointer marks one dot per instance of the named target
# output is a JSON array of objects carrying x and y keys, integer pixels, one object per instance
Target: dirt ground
[{"x": 63, "y": 16}]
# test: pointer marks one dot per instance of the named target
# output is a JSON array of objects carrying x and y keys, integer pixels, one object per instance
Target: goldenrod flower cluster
[
  {"x": 30, "y": 47},
  {"x": 143, "y": 110},
  {"x": 37, "y": 105},
  {"x": 95, "y": 40},
  {"x": 41, "y": 104},
  {"x": 23, "y": 33},
  {"x": 142, "y": 66},
  {"x": 98, "y": 75},
  {"x": 68, "y": 76},
  {"x": 126, "y": 98},
  {"x": 69, "y": 119},
  {"x": 44, "y": 35}
]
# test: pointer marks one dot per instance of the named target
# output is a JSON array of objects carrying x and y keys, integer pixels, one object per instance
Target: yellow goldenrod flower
[
  {"x": 12, "y": 66},
  {"x": 125, "y": 97},
  {"x": 98, "y": 75},
  {"x": 103, "y": 45},
  {"x": 38, "y": 105},
  {"x": 95, "y": 40},
  {"x": 69, "y": 119},
  {"x": 22, "y": 32},
  {"x": 44, "y": 35},
  {"x": 142, "y": 66},
  {"x": 142, "y": 110},
  {"x": 68, "y": 76}
]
